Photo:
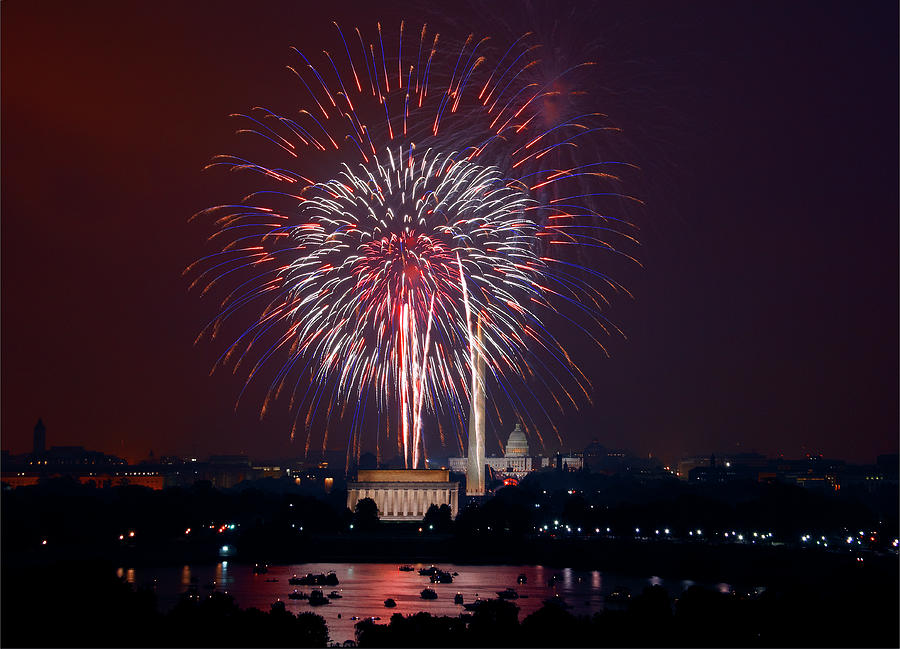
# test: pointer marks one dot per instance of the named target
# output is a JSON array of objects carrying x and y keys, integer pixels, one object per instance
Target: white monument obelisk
[{"x": 475, "y": 459}]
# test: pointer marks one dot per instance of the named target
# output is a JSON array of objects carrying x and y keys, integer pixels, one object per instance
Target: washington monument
[{"x": 475, "y": 461}]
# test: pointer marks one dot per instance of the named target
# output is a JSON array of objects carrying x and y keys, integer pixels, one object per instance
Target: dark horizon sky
[{"x": 765, "y": 316}]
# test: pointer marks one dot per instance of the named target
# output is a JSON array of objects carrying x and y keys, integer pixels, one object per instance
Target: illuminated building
[
  {"x": 514, "y": 461},
  {"x": 404, "y": 494},
  {"x": 571, "y": 462}
]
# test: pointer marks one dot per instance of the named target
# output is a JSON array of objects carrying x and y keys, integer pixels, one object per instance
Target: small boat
[
  {"x": 272, "y": 579},
  {"x": 354, "y": 618},
  {"x": 334, "y": 595},
  {"x": 428, "y": 572},
  {"x": 509, "y": 593},
  {"x": 406, "y": 568},
  {"x": 556, "y": 600},
  {"x": 441, "y": 577},
  {"x": 458, "y": 598},
  {"x": 471, "y": 606},
  {"x": 259, "y": 569},
  {"x": 456, "y": 574},
  {"x": 428, "y": 593},
  {"x": 317, "y": 598},
  {"x": 522, "y": 579},
  {"x": 389, "y": 603},
  {"x": 618, "y": 596},
  {"x": 298, "y": 595},
  {"x": 310, "y": 579}
]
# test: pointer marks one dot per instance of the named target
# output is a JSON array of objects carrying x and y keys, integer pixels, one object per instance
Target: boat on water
[
  {"x": 618, "y": 596},
  {"x": 317, "y": 598},
  {"x": 310, "y": 579},
  {"x": 471, "y": 606},
  {"x": 298, "y": 595},
  {"x": 260, "y": 568},
  {"x": 458, "y": 598},
  {"x": 522, "y": 579},
  {"x": 428, "y": 572},
  {"x": 509, "y": 593},
  {"x": 428, "y": 593},
  {"x": 272, "y": 579},
  {"x": 406, "y": 568},
  {"x": 334, "y": 595},
  {"x": 441, "y": 577},
  {"x": 556, "y": 600},
  {"x": 390, "y": 603}
]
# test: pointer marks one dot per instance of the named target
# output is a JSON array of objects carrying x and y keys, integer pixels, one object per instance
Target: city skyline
[{"x": 765, "y": 315}]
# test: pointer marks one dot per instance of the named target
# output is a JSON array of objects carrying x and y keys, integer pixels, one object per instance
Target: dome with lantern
[{"x": 517, "y": 444}]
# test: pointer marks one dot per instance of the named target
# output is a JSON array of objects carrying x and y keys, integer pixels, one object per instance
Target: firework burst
[{"x": 414, "y": 212}]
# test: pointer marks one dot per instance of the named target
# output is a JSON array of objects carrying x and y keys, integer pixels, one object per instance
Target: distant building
[
  {"x": 570, "y": 462},
  {"x": 595, "y": 457},
  {"x": 404, "y": 494},
  {"x": 515, "y": 460},
  {"x": 40, "y": 438},
  {"x": 687, "y": 463},
  {"x": 239, "y": 460}
]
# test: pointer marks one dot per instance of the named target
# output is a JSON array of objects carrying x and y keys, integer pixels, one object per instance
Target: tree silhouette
[{"x": 365, "y": 515}]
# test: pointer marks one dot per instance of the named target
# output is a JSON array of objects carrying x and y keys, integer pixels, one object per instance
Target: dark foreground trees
[
  {"x": 698, "y": 618},
  {"x": 85, "y": 605}
]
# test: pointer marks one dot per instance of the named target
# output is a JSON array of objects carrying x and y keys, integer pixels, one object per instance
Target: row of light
[{"x": 666, "y": 531}]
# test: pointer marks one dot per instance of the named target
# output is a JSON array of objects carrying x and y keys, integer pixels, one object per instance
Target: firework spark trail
[{"x": 374, "y": 274}]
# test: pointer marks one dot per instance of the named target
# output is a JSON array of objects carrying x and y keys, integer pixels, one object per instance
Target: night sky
[{"x": 765, "y": 316}]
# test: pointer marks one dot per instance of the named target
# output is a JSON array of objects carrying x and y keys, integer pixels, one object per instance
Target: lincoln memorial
[{"x": 404, "y": 495}]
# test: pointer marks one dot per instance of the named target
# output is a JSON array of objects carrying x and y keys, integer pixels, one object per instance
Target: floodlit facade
[
  {"x": 405, "y": 494},
  {"x": 514, "y": 461}
]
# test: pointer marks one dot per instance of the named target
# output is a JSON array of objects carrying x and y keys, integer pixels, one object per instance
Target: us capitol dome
[{"x": 517, "y": 444}]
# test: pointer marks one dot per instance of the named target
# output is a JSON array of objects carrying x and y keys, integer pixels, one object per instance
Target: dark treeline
[
  {"x": 699, "y": 617},
  {"x": 273, "y": 514},
  {"x": 83, "y": 604},
  {"x": 78, "y": 604},
  {"x": 278, "y": 521}
]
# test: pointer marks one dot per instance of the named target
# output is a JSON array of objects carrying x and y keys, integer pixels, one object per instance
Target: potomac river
[{"x": 364, "y": 587}]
